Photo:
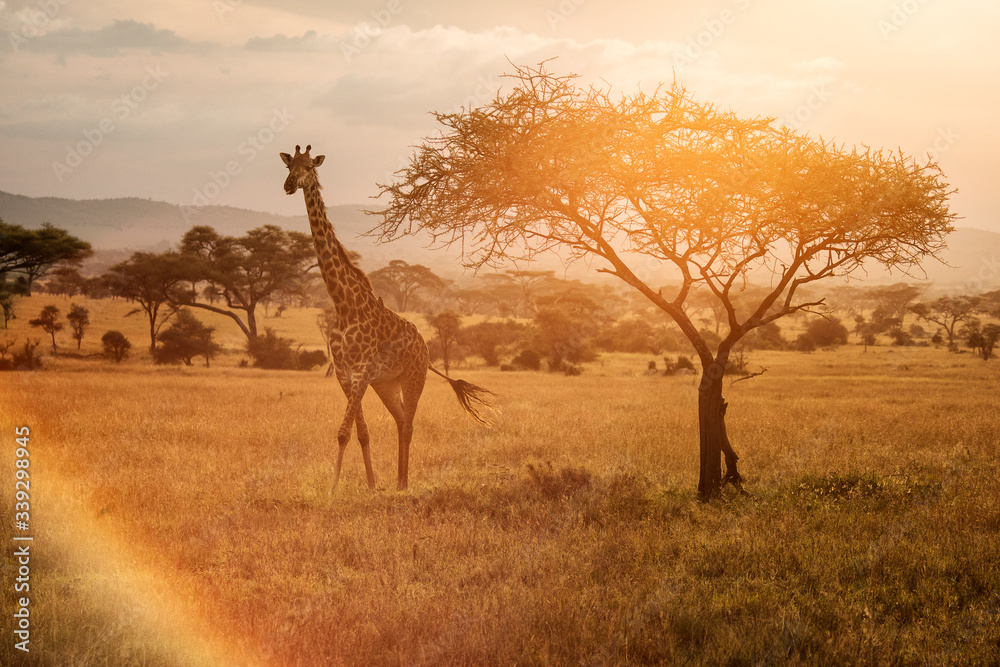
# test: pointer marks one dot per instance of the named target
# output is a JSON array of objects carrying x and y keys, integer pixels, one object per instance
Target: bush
[
  {"x": 274, "y": 352},
  {"x": 185, "y": 339},
  {"x": 900, "y": 337},
  {"x": 804, "y": 343},
  {"x": 633, "y": 335},
  {"x": 310, "y": 360},
  {"x": 563, "y": 335},
  {"x": 528, "y": 360},
  {"x": 684, "y": 362},
  {"x": 767, "y": 337},
  {"x": 23, "y": 359},
  {"x": 825, "y": 332},
  {"x": 271, "y": 351},
  {"x": 491, "y": 340},
  {"x": 116, "y": 345}
]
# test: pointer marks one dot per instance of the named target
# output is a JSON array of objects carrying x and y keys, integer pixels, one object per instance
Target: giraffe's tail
[{"x": 474, "y": 399}]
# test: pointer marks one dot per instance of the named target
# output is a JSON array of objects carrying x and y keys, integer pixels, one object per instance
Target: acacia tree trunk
[{"x": 712, "y": 433}]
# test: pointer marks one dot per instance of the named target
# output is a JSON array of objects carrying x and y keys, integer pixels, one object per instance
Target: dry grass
[{"x": 183, "y": 516}]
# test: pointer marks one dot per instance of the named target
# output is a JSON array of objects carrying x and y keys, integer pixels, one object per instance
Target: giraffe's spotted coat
[{"x": 372, "y": 345}]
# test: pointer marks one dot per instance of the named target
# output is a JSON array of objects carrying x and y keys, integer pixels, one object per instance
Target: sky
[{"x": 190, "y": 101}]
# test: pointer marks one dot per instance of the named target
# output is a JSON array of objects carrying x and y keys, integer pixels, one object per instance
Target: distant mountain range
[{"x": 118, "y": 227}]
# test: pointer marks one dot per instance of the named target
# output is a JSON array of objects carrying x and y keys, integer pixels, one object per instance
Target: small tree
[
  {"x": 9, "y": 293},
  {"x": 660, "y": 177},
  {"x": 116, "y": 345},
  {"x": 972, "y": 333},
  {"x": 947, "y": 312},
  {"x": 185, "y": 339},
  {"x": 867, "y": 331},
  {"x": 152, "y": 281},
  {"x": 564, "y": 334},
  {"x": 988, "y": 339},
  {"x": 79, "y": 320},
  {"x": 47, "y": 320},
  {"x": 892, "y": 302},
  {"x": 447, "y": 326}
]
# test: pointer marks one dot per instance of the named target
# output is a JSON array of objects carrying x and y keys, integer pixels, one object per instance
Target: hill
[{"x": 118, "y": 226}]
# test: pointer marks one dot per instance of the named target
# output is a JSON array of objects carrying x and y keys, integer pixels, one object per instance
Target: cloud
[
  {"x": 110, "y": 41},
  {"x": 310, "y": 42}
]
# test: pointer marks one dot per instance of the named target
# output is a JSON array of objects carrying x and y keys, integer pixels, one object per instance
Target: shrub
[
  {"x": 563, "y": 334},
  {"x": 185, "y": 339},
  {"x": 900, "y": 337},
  {"x": 633, "y": 335},
  {"x": 491, "y": 340},
  {"x": 528, "y": 360},
  {"x": 274, "y": 352},
  {"x": 767, "y": 337},
  {"x": 271, "y": 351},
  {"x": 804, "y": 343},
  {"x": 683, "y": 363},
  {"x": 23, "y": 359},
  {"x": 116, "y": 345},
  {"x": 307, "y": 361},
  {"x": 825, "y": 332}
]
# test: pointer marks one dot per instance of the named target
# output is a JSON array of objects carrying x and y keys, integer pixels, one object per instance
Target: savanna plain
[{"x": 183, "y": 515}]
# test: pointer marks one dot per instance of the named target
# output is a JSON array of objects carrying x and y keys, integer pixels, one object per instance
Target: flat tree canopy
[
  {"x": 34, "y": 252},
  {"x": 550, "y": 166},
  {"x": 247, "y": 271}
]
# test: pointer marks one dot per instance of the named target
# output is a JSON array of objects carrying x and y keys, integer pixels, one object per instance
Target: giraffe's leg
[
  {"x": 389, "y": 392},
  {"x": 344, "y": 434},
  {"x": 362, "y": 427},
  {"x": 412, "y": 387}
]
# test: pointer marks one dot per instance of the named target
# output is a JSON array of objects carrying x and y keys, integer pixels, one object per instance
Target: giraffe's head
[{"x": 301, "y": 168}]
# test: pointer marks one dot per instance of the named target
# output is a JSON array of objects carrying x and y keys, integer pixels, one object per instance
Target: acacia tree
[
  {"x": 153, "y": 282},
  {"x": 448, "y": 326},
  {"x": 47, "y": 320},
  {"x": 79, "y": 320},
  {"x": 403, "y": 282},
  {"x": 550, "y": 166},
  {"x": 947, "y": 312},
  {"x": 267, "y": 263},
  {"x": 33, "y": 252}
]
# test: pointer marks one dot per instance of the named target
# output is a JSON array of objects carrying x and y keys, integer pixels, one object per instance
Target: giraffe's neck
[{"x": 350, "y": 289}]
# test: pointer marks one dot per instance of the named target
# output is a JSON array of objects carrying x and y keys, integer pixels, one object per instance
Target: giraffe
[{"x": 371, "y": 345}]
